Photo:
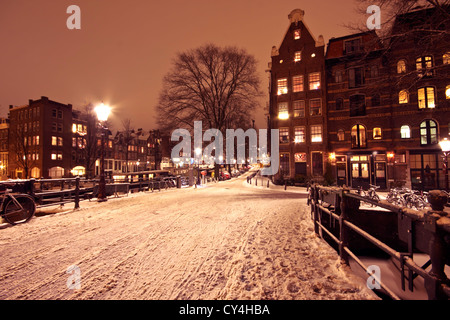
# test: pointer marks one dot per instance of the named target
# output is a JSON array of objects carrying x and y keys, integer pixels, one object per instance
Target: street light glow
[
  {"x": 102, "y": 112},
  {"x": 445, "y": 145}
]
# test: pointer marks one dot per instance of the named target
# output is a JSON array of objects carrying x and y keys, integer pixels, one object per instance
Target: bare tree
[
  {"x": 124, "y": 138},
  {"x": 22, "y": 149},
  {"x": 218, "y": 86}
]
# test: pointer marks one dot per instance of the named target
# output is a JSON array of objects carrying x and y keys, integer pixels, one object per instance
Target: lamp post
[
  {"x": 102, "y": 112},
  {"x": 445, "y": 146},
  {"x": 198, "y": 152}
]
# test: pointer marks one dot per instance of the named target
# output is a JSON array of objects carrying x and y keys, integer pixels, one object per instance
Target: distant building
[
  {"x": 4, "y": 147},
  {"x": 297, "y": 106}
]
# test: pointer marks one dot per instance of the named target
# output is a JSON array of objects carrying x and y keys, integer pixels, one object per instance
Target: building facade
[
  {"x": 297, "y": 105},
  {"x": 385, "y": 103}
]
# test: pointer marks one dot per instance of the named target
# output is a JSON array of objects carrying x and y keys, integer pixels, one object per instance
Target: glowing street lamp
[
  {"x": 102, "y": 112},
  {"x": 445, "y": 146}
]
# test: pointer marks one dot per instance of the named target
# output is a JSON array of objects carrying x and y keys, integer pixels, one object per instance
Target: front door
[
  {"x": 380, "y": 175},
  {"x": 360, "y": 168}
]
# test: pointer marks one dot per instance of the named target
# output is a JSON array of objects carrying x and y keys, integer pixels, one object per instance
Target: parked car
[{"x": 225, "y": 175}]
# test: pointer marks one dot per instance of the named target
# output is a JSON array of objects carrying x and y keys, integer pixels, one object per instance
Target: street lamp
[
  {"x": 102, "y": 112},
  {"x": 445, "y": 146},
  {"x": 198, "y": 152}
]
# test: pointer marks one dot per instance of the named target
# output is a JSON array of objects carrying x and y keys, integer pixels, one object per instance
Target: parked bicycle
[
  {"x": 16, "y": 208},
  {"x": 370, "y": 194},
  {"x": 406, "y": 198}
]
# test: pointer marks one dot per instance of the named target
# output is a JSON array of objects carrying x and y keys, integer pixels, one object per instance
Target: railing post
[
  {"x": 343, "y": 232},
  {"x": 315, "y": 195},
  {"x": 437, "y": 246},
  {"x": 77, "y": 192}
]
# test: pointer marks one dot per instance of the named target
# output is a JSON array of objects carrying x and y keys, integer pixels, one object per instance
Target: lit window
[
  {"x": 299, "y": 108},
  {"x": 424, "y": 63},
  {"x": 401, "y": 66},
  {"x": 54, "y": 156},
  {"x": 316, "y": 133},
  {"x": 377, "y": 133},
  {"x": 300, "y": 135},
  {"x": 74, "y": 128},
  {"x": 314, "y": 81},
  {"x": 447, "y": 92},
  {"x": 60, "y": 141},
  {"x": 297, "y": 34},
  {"x": 297, "y": 83},
  {"x": 358, "y": 136},
  {"x": 403, "y": 97},
  {"x": 54, "y": 141},
  {"x": 282, "y": 86},
  {"x": 426, "y": 98},
  {"x": 341, "y": 135},
  {"x": 315, "y": 107},
  {"x": 59, "y": 156},
  {"x": 283, "y": 111},
  {"x": 446, "y": 58},
  {"x": 297, "y": 56},
  {"x": 405, "y": 132},
  {"x": 284, "y": 135},
  {"x": 428, "y": 132}
]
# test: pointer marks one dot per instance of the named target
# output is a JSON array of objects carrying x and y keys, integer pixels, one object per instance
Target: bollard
[{"x": 77, "y": 193}]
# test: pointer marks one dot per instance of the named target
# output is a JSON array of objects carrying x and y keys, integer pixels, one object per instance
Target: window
[
  {"x": 339, "y": 104},
  {"x": 341, "y": 135},
  {"x": 315, "y": 107},
  {"x": 283, "y": 111},
  {"x": 300, "y": 135},
  {"x": 282, "y": 86},
  {"x": 405, "y": 132},
  {"x": 317, "y": 163},
  {"x": 54, "y": 113},
  {"x": 284, "y": 135},
  {"x": 358, "y": 136},
  {"x": 297, "y": 83},
  {"x": 314, "y": 81},
  {"x": 355, "y": 77},
  {"x": 401, "y": 66},
  {"x": 447, "y": 92},
  {"x": 352, "y": 46},
  {"x": 357, "y": 105},
  {"x": 376, "y": 100},
  {"x": 297, "y": 34},
  {"x": 403, "y": 97},
  {"x": 299, "y": 108},
  {"x": 60, "y": 114},
  {"x": 316, "y": 133},
  {"x": 446, "y": 58},
  {"x": 297, "y": 56},
  {"x": 428, "y": 132},
  {"x": 426, "y": 98},
  {"x": 374, "y": 71},
  {"x": 424, "y": 62},
  {"x": 377, "y": 133},
  {"x": 59, "y": 127},
  {"x": 284, "y": 164},
  {"x": 338, "y": 76},
  {"x": 54, "y": 141}
]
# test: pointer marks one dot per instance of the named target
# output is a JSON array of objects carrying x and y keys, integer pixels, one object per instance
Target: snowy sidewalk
[{"x": 226, "y": 241}]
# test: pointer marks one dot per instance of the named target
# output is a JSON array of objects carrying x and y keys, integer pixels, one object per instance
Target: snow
[{"x": 226, "y": 240}]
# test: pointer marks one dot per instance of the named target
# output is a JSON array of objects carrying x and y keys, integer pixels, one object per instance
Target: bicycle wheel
[{"x": 21, "y": 211}]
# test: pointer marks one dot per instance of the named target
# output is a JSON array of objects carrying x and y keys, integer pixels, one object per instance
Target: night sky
[{"x": 124, "y": 48}]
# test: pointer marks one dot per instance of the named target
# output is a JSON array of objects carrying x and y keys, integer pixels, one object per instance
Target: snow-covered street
[{"x": 228, "y": 240}]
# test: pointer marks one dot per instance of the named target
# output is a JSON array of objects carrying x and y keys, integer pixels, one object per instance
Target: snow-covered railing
[{"x": 338, "y": 217}]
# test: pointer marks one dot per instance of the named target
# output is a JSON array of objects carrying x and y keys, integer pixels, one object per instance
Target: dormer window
[
  {"x": 352, "y": 46},
  {"x": 297, "y": 56},
  {"x": 297, "y": 34}
]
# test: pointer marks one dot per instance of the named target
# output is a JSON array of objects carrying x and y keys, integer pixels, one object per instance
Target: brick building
[
  {"x": 297, "y": 100},
  {"x": 384, "y": 108},
  {"x": 388, "y": 103}
]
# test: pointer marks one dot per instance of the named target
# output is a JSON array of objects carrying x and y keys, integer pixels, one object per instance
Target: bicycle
[
  {"x": 17, "y": 208},
  {"x": 370, "y": 194}
]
